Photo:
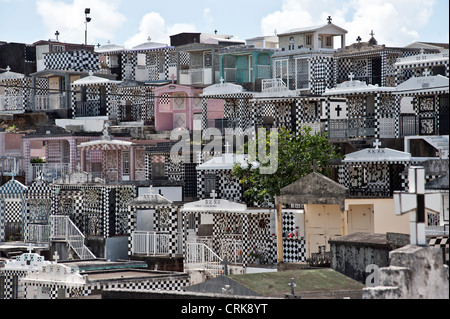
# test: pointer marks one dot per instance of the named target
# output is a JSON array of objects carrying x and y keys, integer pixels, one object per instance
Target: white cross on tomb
[
  {"x": 351, "y": 76},
  {"x": 222, "y": 80},
  {"x": 55, "y": 256},
  {"x": 413, "y": 203},
  {"x": 30, "y": 249},
  {"x": 213, "y": 194},
  {"x": 8, "y": 69},
  {"x": 426, "y": 72},
  {"x": 377, "y": 144}
]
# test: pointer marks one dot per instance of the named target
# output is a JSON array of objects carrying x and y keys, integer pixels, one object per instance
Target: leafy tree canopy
[{"x": 296, "y": 154}]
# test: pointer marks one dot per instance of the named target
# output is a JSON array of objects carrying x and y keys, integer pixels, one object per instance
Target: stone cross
[
  {"x": 222, "y": 80},
  {"x": 413, "y": 203},
  {"x": 329, "y": 19},
  {"x": 215, "y": 31},
  {"x": 55, "y": 257},
  {"x": 151, "y": 190},
  {"x": 358, "y": 39},
  {"x": 440, "y": 154},
  {"x": 426, "y": 72},
  {"x": 172, "y": 77},
  {"x": 416, "y": 180},
  {"x": 292, "y": 284},
  {"x": 91, "y": 73},
  {"x": 30, "y": 249},
  {"x": 225, "y": 263},
  {"x": 351, "y": 76},
  {"x": 149, "y": 39},
  {"x": 8, "y": 69},
  {"x": 371, "y": 33},
  {"x": 57, "y": 34},
  {"x": 377, "y": 144},
  {"x": 213, "y": 194}
]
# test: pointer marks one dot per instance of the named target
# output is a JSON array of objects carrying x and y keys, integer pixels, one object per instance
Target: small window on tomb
[
  {"x": 210, "y": 185},
  {"x": 308, "y": 39},
  {"x": 158, "y": 170},
  {"x": 141, "y": 60}
]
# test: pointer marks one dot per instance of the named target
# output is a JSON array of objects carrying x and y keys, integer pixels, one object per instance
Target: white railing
[
  {"x": 49, "y": 171},
  {"x": 11, "y": 165},
  {"x": 273, "y": 85},
  {"x": 49, "y": 102},
  {"x": 63, "y": 228},
  {"x": 198, "y": 256},
  {"x": 10, "y": 102},
  {"x": 152, "y": 243},
  {"x": 38, "y": 233}
]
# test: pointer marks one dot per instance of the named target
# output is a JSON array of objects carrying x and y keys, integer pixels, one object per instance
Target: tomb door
[{"x": 360, "y": 219}]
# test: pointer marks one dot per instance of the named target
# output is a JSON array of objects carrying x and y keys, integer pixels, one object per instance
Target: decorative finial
[{"x": 329, "y": 19}]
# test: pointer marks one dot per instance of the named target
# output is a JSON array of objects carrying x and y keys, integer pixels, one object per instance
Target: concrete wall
[
  {"x": 414, "y": 273},
  {"x": 353, "y": 259}
]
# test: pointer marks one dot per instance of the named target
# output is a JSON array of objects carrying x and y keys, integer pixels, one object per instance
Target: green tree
[{"x": 297, "y": 154}]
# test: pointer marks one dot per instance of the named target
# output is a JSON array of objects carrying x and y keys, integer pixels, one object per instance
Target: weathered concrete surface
[
  {"x": 313, "y": 188},
  {"x": 415, "y": 272},
  {"x": 352, "y": 254}
]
